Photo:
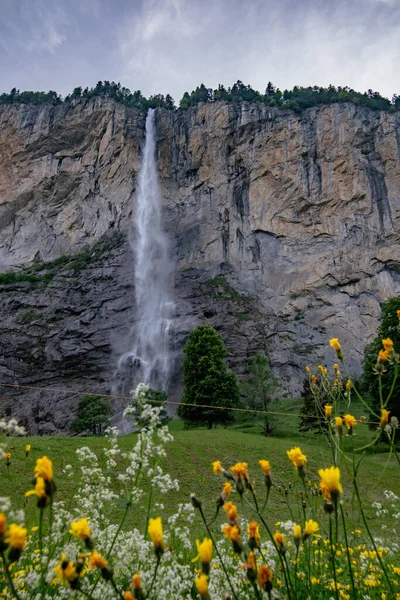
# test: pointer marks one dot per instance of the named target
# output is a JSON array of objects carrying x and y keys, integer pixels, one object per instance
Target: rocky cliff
[{"x": 285, "y": 228}]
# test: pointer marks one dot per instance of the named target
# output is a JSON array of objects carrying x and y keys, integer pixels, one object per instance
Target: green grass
[{"x": 189, "y": 459}]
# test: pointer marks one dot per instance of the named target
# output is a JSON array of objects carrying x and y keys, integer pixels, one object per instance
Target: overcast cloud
[{"x": 171, "y": 46}]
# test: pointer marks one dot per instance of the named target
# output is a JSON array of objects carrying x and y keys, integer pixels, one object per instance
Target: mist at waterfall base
[{"x": 148, "y": 360}]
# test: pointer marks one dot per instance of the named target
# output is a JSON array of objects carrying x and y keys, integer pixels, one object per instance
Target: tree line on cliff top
[{"x": 297, "y": 99}]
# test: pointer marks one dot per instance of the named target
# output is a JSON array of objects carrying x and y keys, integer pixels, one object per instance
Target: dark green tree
[
  {"x": 92, "y": 415},
  {"x": 257, "y": 391},
  {"x": 312, "y": 411},
  {"x": 207, "y": 381},
  {"x": 388, "y": 328}
]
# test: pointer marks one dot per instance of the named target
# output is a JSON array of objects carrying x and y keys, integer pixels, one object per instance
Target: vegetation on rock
[{"x": 297, "y": 99}]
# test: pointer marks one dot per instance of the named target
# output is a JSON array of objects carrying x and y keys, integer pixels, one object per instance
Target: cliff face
[{"x": 286, "y": 231}]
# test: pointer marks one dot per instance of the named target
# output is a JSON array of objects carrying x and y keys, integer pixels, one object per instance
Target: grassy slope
[{"x": 189, "y": 459}]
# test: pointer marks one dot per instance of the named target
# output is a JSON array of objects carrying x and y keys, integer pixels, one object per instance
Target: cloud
[{"x": 171, "y": 46}]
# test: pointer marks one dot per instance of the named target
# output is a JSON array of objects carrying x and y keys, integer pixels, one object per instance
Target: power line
[{"x": 115, "y": 396}]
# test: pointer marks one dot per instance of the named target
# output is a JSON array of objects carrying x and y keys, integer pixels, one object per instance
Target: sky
[{"x": 171, "y": 46}]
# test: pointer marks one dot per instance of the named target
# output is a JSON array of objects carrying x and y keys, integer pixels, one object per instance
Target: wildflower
[
  {"x": 314, "y": 379},
  {"x": 232, "y": 532},
  {"x": 226, "y": 490},
  {"x": 350, "y": 421},
  {"x": 66, "y": 572},
  {"x": 308, "y": 370},
  {"x": 128, "y": 596},
  {"x": 339, "y": 425},
  {"x": 348, "y": 385},
  {"x": 279, "y": 539},
  {"x": 3, "y": 525},
  {"x": 217, "y": 467},
  {"x": 40, "y": 492},
  {"x": 328, "y": 411},
  {"x": 388, "y": 345},
  {"x": 298, "y": 460},
  {"x": 297, "y": 535},
  {"x": 98, "y": 561},
  {"x": 384, "y": 418},
  {"x": 265, "y": 578},
  {"x": 334, "y": 343},
  {"x": 311, "y": 528},
  {"x": 254, "y": 534},
  {"x": 265, "y": 466},
  {"x": 240, "y": 470},
  {"x": 204, "y": 550},
  {"x": 383, "y": 355},
  {"x": 330, "y": 484},
  {"x": 398, "y": 314},
  {"x": 195, "y": 501},
  {"x": 251, "y": 570},
  {"x": 81, "y": 530},
  {"x": 7, "y": 458},
  {"x": 336, "y": 367},
  {"x": 202, "y": 585},
  {"x": 27, "y": 449},
  {"x": 231, "y": 512},
  {"x": 16, "y": 538},
  {"x": 44, "y": 469},
  {"x": 156, "y": 533}
]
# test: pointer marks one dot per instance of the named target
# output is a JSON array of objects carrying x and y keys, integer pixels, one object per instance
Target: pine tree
[{"x": 207, "y": 381}]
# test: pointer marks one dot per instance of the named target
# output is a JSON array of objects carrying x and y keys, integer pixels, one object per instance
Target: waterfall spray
[{"x": 149, "y": 355}]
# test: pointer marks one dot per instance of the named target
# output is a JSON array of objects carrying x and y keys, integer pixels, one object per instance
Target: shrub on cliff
[
  {"x": 389, "y": 328},
  {"x": 207, "y": 382}
]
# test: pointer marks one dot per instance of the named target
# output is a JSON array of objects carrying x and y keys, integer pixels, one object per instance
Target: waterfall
[{"x": 149, "y": 358}]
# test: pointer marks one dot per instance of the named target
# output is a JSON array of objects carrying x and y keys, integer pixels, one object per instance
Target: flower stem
[
  {"x": 348, "y": 553},
  {"x": 217, "y": 551},
  {"x": 9, "y": 579},
  {"x": 154, "y": 577},
  {"x": 333, "y": 557}
]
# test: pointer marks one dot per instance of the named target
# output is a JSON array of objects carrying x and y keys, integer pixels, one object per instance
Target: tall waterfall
[{"x": 149, "y": 356}]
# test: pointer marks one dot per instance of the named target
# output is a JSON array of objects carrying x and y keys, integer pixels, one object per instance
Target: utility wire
[{"x": 236, "y": 409}]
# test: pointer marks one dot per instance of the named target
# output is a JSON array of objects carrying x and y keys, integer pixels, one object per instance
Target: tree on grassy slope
[
  {"x": 92, "y": 415},
  {"x": 257, "y": 390},
  {"x": 207, "y": 381},
  {"x": 389, "y": 328}
]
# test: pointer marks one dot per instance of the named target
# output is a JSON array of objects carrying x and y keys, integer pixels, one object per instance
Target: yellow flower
[
  {"x": 398, "y": 313},
  {"x": 3, "y": 522},
  {"x": 330, "y": 484},
  {"x": 265, "y": 578},
  {"x": 388, "y": 345},
  {"x": 279, "y": 538},
  {"x": 7, "y": 456},
  {"x": 334, "y": 343},
  {"x": 311, "y": 528},
  {"x": 128, "y": 596},
  {"x": 44, "y": 468},
  {"x": 27, "y": 449},
  {"x": 136, "y": 582},
  {"x": 156, "y": 533},
  {"x": 339, "y": 425},
  {"x": 66, "y": 571},
  {"x": 313, "y": 378},
  {"x": 204, "y": 550},
  {"x": 80, "y": 529},
  {"x": 328, "y": 411},
  {"x": 253, "y": 531},
  {"x": 350, "y": 422},
  {"x": 232, "y": 532},
  {"x": 217, "y": 467},
  {"x": 226, "y": 490},
  {"x": 97, "y": 560},
  {"x": 240, "y": 470},
  {"x": 308, "y": 370},
  {"x": 297, "y": 534},
  {"x": 297, "y": 458},
  {"x": 335, "y": 367},
  {"x": 16, "y": 536},
  {"x": 40, "y": 492},
  {"x": 265, "y": 466},
  {"x": 202, "y": 585},
  {"x": 231, "y": 511},
  {"x": 384, "y": 417},
  {"x": 383, "y": 355},
  {"x": 348, "y": 385}
]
